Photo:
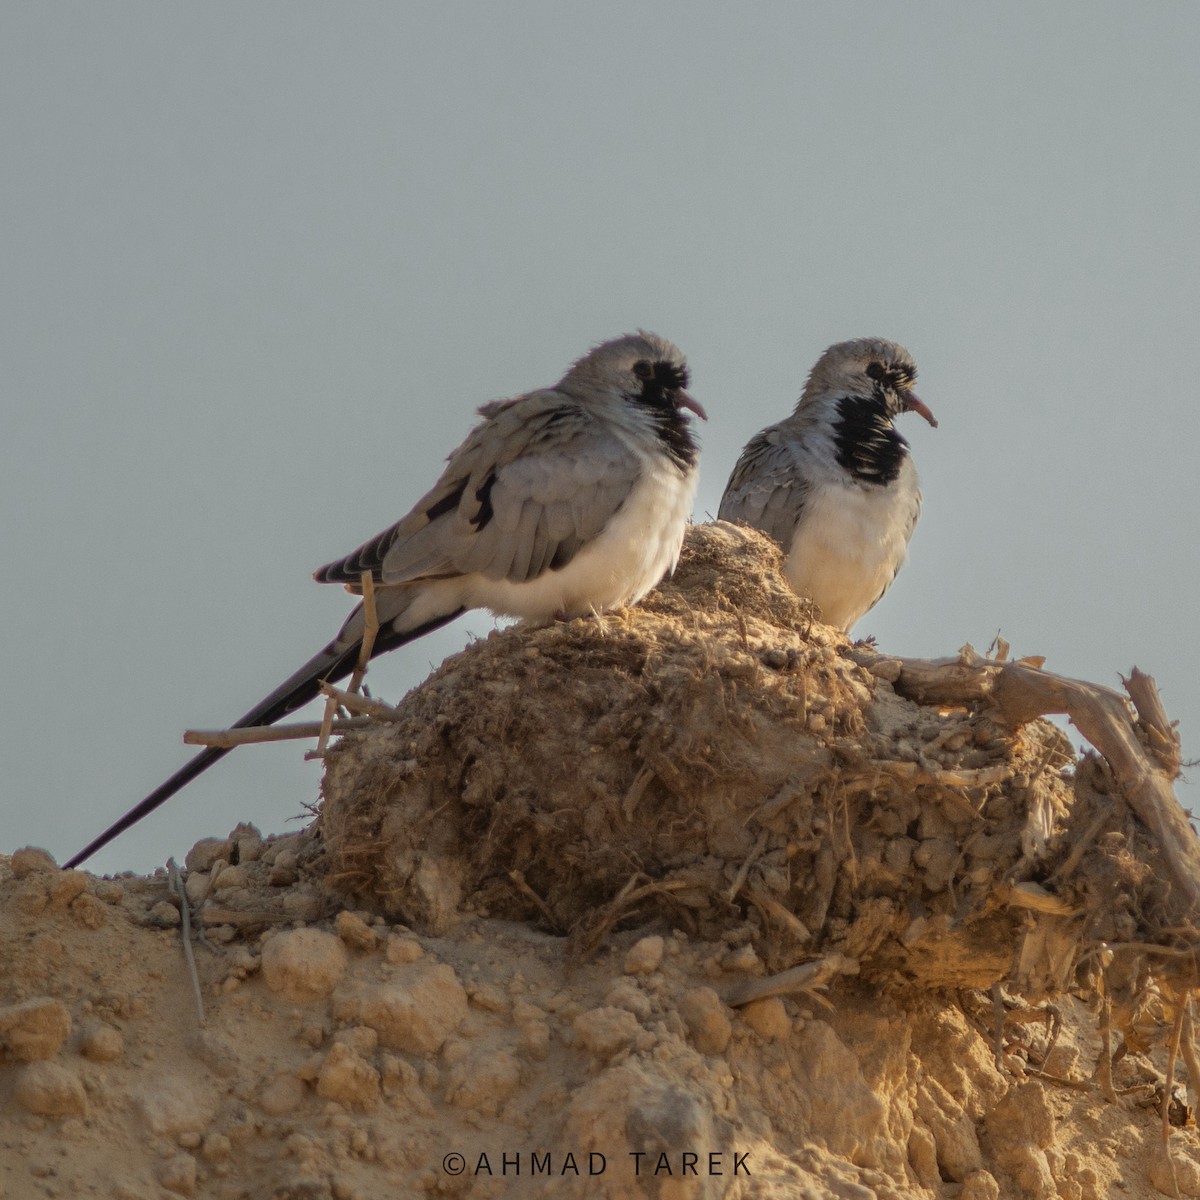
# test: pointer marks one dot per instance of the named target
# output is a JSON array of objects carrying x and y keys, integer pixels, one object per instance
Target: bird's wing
[
  {"x": 766, "y": 489},
  {"x": 533, "y": 483}
]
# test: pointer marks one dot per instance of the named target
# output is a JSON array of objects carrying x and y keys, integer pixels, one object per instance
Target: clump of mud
[{"x": 718, "y": 758}]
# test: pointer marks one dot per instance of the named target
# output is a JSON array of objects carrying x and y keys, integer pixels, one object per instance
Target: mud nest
[{"x": 718, "y": 759}]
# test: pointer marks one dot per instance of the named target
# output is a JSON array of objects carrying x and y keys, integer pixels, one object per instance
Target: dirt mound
[
  {"x": 717, "y": 757},
  {"x": 698, "y": 900}
]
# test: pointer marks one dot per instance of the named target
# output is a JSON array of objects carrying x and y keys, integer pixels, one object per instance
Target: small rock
[
  {"x": 285, "y": 870},
  {"x": 178, "y": 1174},
  {"x": 171, "y": 1106},
  {"x": 484, "y": 1083},
  {"x": 90, "y": 912},
  {"x": 164, "y": 915},
  {"x": 707, "y": 1020},
  {"x": 303, "y": 905},
  {"x": 742, "y": 958},
  {"x": 196, "y": 887},
  {"x": 534, "y": 1040},
  {"x": 34, "y": 1029},
  {"x": 362, "y": 1039},
  {"x": 283, "y": 1095},
  {"x": 644, "y": 956},
  {"x": 230, "y": 878},
  {"x": 303, "y": 964},
  {"x": 204, "y": 854},
  {"x": 414, "y": 1013},
  {"x": 490, "y": 998},
  {"x": 31, "y": 858},
  {"x": 216, "y": 1147},
  {"x": 50, "y": 1090},
  {"x": 768, "y": 1018},
  {"x": 980, "y": 1185},
  {"x": 347, "y": 1077},
  {"x": 625, "y": 993},
  {"x": 109, "y": 891},
  {"x": 101, "y": 1043},
  {"x": 922, "y": 1157},
  {"x": 606, "y": 1031},
  {"x": 65, "y": 886},
  {"x": 401, "y": 949},
  {"x": 355, "y": 932},
  {"x": 249, "y": 843}
]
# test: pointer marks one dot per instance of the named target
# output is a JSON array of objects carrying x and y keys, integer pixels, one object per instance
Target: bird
[
  {"x": 834, "y": 483},
  {"x": 561, "y": 502}
]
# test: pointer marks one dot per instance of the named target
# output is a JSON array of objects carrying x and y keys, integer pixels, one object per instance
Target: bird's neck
[
  {"x": 865, "y": 441},
  {"x": 671, "y": 427}
]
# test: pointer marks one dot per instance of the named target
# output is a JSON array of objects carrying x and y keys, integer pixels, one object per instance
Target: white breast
[
  {"x": 849, "y": 544},
  {"x": 633, "y": 552}
]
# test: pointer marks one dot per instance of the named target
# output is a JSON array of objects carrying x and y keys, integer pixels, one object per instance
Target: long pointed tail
[{"x": 335, "y": 662}]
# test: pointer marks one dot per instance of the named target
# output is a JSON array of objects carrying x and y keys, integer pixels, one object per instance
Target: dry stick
[
  {"x": 252, "y": 734},
  {"x": 1169, "y": 1089},
  {"x": 185, "y": 930},
  {"x": 1187, "y": 1044},
  {"x": 1021, "y": 692},
  {"x": 518, "y": 880},
  {"x": 625, "y": 899},
  {"x": 774, "y": 911},
  {"x": 1104, "y": 1065},
  {"x": 1162, "y": 735},
  {"x": 366, "y": 706},
  {"x": 998, "y": 1015},
  {"x": 803, "y": 978},
  {"x": 744, "y": 869},
  {"x": 370, "y": 629},
  {"x": 1066, "y": 868}
]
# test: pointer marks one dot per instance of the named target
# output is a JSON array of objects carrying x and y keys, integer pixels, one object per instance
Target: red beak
[{"x": 914, "y": 403}]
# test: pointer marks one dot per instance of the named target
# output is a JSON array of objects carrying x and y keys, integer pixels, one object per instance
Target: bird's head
[
  {"x": 641, "y": 368},
  {"x": 868, "y": 368}
]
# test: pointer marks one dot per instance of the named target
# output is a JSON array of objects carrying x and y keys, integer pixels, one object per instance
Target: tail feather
[{"x": 331, "y": 664}]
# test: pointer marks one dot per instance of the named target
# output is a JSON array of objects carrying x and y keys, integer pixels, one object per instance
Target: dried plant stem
[
  {"x": 1169, "y": 1086},
  {"x": 185, "y": 930},
  {"x": 1019, "y": 692},
  {"x": 355, "y": 702},
  {"x": 252, "y": 734},
  {"x": 803, "y": 978}
]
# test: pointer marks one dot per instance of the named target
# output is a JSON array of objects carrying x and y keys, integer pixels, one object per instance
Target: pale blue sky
[{"x": 262, "y": 261}]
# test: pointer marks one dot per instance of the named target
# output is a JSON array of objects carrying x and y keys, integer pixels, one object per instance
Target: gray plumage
[
  {"x": 833, "y": 483},
  {"x": 561, "y": 502}
]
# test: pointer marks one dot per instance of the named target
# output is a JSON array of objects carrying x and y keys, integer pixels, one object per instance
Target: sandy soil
[{"x": 516, "y": 953}]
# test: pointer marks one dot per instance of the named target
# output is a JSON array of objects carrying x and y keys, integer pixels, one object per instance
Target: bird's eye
[
  {"x": 875, "y": 370},
  {"x": 642, "y": 369}
]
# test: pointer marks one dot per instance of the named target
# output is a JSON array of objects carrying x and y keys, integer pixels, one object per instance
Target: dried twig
[
  {"x": 1020, "y": 692},
  {"x": 1104, "y": 1063},
  {"x": 747, "y": 863},
  {"x": 774, "y": 911},
  {"x": 370, "y": 631},
  {"x": 367, "y": 706},
  {"x": 518, "y": 880},
  {"x": 803, "y": 978},
  {"x": 1034, "y": 896},
  {"x": 1187, "y": 1043},
  {"x": 253, "y": 734},
  {"x": 185, "y": 929},
  {"x": 1161, "y": 733},
  {"x": 1169, "y": 1086}
]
